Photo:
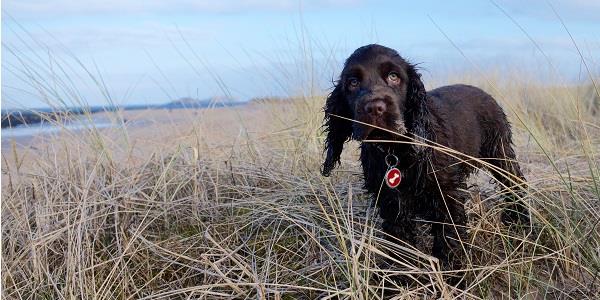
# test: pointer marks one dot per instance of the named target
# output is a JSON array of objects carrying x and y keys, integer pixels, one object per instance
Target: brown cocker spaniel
[{"x": 434, "y": 139}]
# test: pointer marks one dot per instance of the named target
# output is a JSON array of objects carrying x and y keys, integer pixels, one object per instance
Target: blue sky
[{"x": 155, "y": 51}]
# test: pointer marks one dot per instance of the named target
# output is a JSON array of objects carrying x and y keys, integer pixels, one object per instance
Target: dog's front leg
[
  {"x": 450, "y": 239},
  {"x": 398, "y": 220}
]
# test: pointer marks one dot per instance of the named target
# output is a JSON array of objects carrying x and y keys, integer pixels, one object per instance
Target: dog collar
[
  {"x": 380, "y": 148},
  {"x": 393, "y": 176}
]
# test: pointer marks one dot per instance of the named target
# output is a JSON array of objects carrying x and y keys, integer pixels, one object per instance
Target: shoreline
[{"x": 147, "y": 124}]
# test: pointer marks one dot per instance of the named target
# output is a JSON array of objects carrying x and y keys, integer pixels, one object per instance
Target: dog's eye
[
  {"x": 393, "y": 77},
  {"x": 353, "y": 82}
]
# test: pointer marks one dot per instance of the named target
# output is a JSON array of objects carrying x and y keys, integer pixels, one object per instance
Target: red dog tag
[{"x": 393, "y": 177}]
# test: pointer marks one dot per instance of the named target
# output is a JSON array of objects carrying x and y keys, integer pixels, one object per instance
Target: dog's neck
[
  {"x": 413, "y": 152},
  {"x": 403, "y": 151},
  {"x": 415, "y": 146}
]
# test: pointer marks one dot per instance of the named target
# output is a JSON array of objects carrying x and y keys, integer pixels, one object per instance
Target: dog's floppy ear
[
  {"x": 417, "y": 113},
  {"x": 338, "y": 130}
]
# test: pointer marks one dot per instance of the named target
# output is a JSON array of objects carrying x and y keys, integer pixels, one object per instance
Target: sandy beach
[{"x": 152, "y": 130}]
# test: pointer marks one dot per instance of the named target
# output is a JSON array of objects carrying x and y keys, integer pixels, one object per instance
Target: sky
[{"x": 149, "y": 51}]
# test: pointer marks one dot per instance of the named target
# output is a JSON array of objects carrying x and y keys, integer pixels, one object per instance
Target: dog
[{"x": 431, "y": 141}]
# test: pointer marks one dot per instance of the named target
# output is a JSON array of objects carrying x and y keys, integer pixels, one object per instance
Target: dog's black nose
[{"x": 375, "y": 108}]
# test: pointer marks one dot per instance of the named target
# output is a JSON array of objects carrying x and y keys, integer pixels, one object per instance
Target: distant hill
[
  {"x": 188, "y": 102},
  {"x": 16, "y": 117}
]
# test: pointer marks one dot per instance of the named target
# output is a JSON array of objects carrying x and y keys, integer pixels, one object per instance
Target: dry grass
[{"x": 231, "y": 205}]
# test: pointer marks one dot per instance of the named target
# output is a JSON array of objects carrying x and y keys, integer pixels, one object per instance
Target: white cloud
[
  {"x": 568, "y": 9},
  {"x": 74, "y": 7}
]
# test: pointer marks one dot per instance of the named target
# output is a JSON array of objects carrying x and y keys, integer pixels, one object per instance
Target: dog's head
[{"x": 377, "y": 88}]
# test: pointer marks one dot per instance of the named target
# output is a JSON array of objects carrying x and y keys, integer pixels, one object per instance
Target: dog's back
[{"x": 467, "y": 116}]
